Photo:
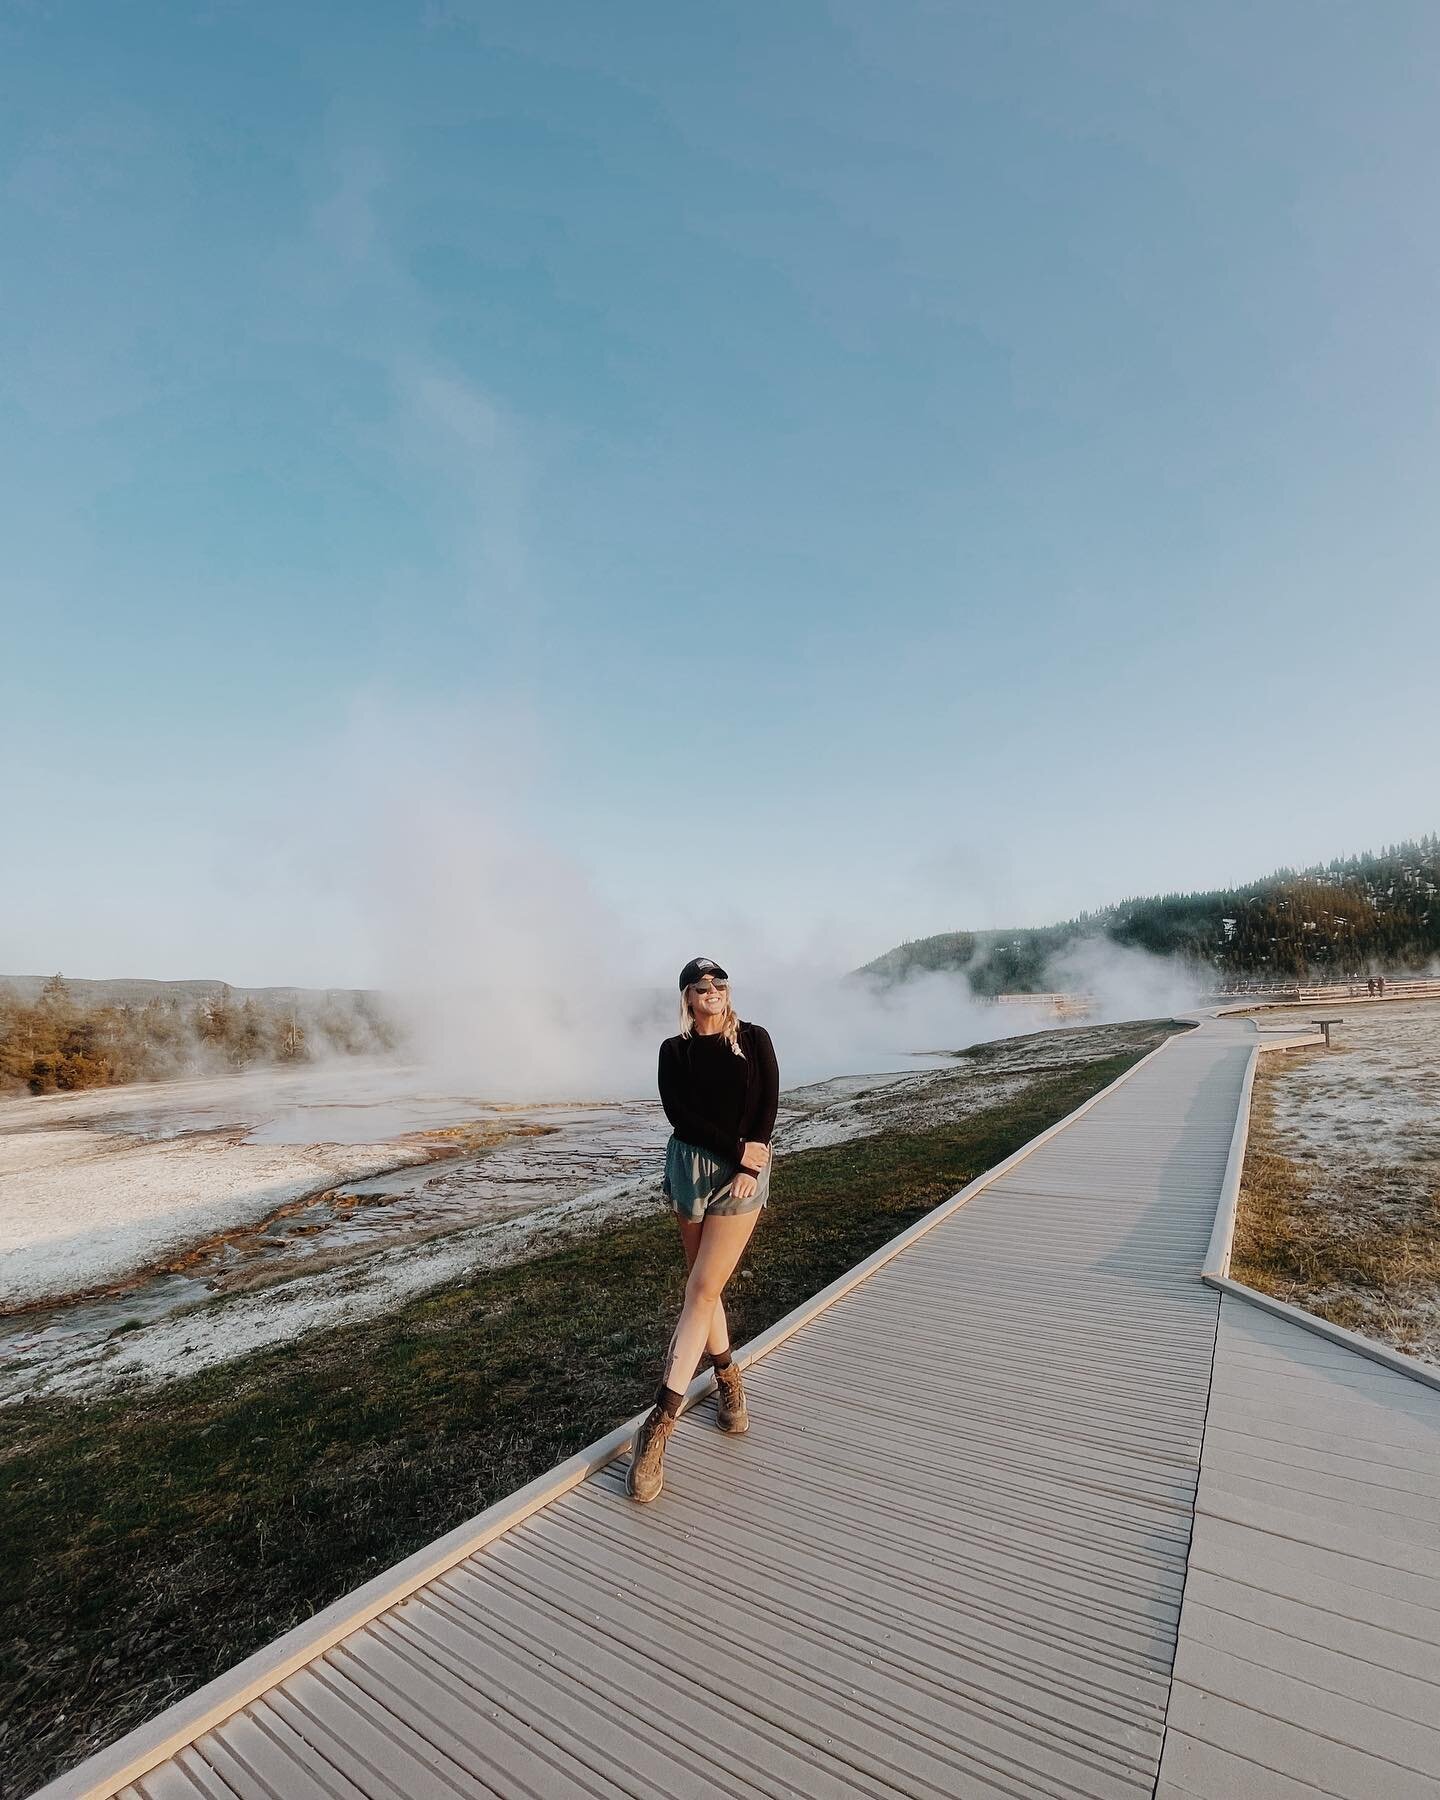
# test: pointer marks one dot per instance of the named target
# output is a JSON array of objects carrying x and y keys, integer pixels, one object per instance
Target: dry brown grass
[{"x": 1356, "y": 1244}]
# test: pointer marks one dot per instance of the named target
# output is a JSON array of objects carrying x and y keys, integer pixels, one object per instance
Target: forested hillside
[
  {"x": 1349, "y": 917},
  {"x": 60, "y": 1035}
]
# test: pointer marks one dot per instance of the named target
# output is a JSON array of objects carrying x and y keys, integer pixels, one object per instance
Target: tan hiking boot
[
  {"x": 646, "y": 1475},
  {"x": 730, "y": 1411}
]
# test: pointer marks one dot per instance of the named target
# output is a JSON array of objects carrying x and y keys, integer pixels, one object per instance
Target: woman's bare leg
[
  {"x": 722, "y": 1244},
  {"x": 718, "y": 1341}
]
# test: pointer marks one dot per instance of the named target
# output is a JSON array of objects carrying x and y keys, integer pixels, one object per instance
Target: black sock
[
  {"x": 722, "y": 1361},
  {"x": 669, "y": 1401}
]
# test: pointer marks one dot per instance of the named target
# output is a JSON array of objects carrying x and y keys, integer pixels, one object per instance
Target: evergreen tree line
[
  {"x": 1373, "y": 914},
  {"x": 58, "y": 1043}
]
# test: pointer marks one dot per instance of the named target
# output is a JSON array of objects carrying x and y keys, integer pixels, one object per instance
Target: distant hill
[
  {"x": 65, "y": 1035},
  {"x": 127, "y": 991},
  {"x": 1376, "y": 912}
]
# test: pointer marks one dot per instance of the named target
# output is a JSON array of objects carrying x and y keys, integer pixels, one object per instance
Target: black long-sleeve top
[{"x": 716, "y": 1099}]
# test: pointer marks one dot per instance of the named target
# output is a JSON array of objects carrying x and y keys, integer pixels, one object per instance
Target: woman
[{"x": 719, "y": 1085}]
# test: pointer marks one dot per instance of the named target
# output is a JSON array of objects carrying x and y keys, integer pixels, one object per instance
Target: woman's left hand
[{"x": 744, "y": 1186}]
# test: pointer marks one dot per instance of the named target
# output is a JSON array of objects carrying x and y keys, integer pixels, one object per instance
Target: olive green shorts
[{"x": 697, "y": 1183}]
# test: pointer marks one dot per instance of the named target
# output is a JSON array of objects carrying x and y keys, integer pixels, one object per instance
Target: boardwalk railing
[{"x": 1275, "y": 993}]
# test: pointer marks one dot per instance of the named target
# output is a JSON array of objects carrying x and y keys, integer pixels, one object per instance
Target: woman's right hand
[{"x": 744, "y": 1187}]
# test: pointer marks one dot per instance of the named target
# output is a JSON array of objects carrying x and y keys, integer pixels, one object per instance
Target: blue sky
[{"x": 830, "y": 472}]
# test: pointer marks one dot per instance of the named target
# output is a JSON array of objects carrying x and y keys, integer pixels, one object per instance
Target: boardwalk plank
[
  {"x": 1277, "y": 1745},
  {"x": 1325, "y": 1613},
  {"x": 1244, "y": 1416},
  {"x": 372, "y": 1747},
  {"x": 1265, "y": 1558},
  {"x": 1352, "y": 1511},
  {"x": 258, "y": 1766},
  {"x": 903, "y": 1626},
  {"x": 186, "y": 1778},
  {"x": 1302, "y": 1351},
  {"x": 1380, "y": 1687},
  {"x": 1366, "y": 1396},
  {"x": 1345, "y": 1536},
  {"x": 476, "y": 1728},
  {"x": 623, "y": 1727},
  {"x": 1383, "y": 1479},
  {"x": 1199, "y": 1771},
  {"x": 786, "y": 1683},
  {"x": 1279, "y": 1695},
  {"x": 883, "y": 1593},
  {"x": 1371, "y": 1425}
]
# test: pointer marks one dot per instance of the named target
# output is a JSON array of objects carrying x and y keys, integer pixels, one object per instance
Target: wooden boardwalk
[
  {"x": 950, "y": 1556},
  {"x": 1309, "y": 1659}
]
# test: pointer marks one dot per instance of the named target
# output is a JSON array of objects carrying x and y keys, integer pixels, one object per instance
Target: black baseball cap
[{"x": 698, "y": 966}]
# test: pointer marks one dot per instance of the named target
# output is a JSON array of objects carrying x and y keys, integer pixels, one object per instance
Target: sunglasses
[{"x": 709, "y": 987}]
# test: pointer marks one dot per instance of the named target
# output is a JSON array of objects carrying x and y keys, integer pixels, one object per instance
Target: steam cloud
[
  {"x": 515, "y": 978},
  {"x": 1126, "y": 983}
]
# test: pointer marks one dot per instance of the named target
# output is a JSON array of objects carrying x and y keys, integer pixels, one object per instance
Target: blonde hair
[{"x": 730, "y": 1030}]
